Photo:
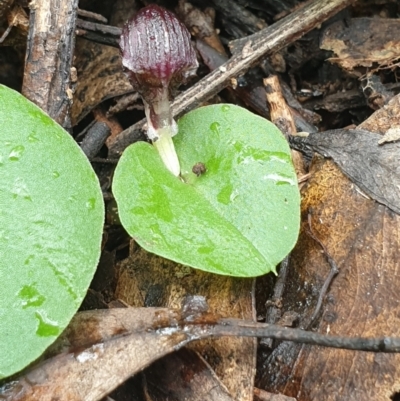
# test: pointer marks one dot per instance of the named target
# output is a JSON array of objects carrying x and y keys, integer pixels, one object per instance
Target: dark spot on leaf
[{"x": 199, "y": 169}]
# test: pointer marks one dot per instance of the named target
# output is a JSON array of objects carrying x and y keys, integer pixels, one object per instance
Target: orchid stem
[{"x": 166, "y": 149}]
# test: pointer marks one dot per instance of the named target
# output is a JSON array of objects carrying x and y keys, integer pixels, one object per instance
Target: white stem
[{"x": 166, "y": 149}]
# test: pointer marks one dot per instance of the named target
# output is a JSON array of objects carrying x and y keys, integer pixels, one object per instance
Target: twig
[
  {"x": 89, "y": 14},
  {"x": 281, "y": 114},
  {"x": 112, "y": 31},
  {"x": 123, "y": 103},
  {"x": 238, "y": 14},
  {"x": 267, "y": 41},
  {"x": 97, "y": 37},
  {"x": 95, "y": 138},
  {"x": 236, "y": 327},
  {"x": 56, "y": 372},
  {"x": 6, "y": 33},
  {"x": 273, "y": 311},
  {"x": 332, "y": 273},
  {"x": 49, "y": 52}
]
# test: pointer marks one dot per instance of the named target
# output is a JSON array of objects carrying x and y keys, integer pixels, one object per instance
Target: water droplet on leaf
[
  {"x": 16, "y": 153},
  {"x": 280, "y": 179},
  {"x": 225, "y": 194},
  {"x": 33, "y": 138},
  {"x": 206, "y": 249},
  {"x": 28, "y": 259},
  {"x": 20, "y": 189},
  {"x": 30, "y": 296},
  {"x": 234, "y": 195},
  {"x": 47, "y": 327},
  {"x": 215, "y": 127},
  {"x": 90, "y": 204}
]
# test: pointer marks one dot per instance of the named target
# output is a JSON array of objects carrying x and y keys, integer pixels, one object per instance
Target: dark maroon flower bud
[{"x": 157, "y": 55}]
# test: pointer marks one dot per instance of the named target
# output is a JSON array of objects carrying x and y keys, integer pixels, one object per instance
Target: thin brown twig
[
  {"x": 52, "y": 369},
  {"x": 273, "y": 311},
  {"x": 113, "y": 31},
  {"x": 235, "y": 327},
  {"x": 334, "y": 270},
  {"x": 90, "y": 14}
]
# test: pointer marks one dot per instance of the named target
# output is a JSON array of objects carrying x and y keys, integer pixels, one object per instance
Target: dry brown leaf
[
  {"x": 363, "y": 42},
  {"x": 385, "y": 118},
  {"x": 90, "y": 373},
  {"x": 101, "y": 349},
  {"x": 149, "y": 280},
  {"x": 100, "y": 74},
  {"x": 100, "y": 77},
  {"x": 92, "y": 327},
  {"x": 375, "y": 169},
  {"x": 363, "y": 237},
  {"x": 391, "y": 135},
  {"x": 183, "y": 375}
]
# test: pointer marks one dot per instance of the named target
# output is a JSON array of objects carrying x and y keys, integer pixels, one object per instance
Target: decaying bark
[
  {"x": 49, "y": 54},
  {"x": 281, "y": 115}
]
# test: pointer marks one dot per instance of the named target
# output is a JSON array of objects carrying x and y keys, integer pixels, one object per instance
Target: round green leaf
[
  {"x": 241, "y": 217},
  {"x": 51, "y": 219}
]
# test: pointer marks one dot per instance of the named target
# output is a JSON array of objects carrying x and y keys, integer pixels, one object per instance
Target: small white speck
[
  {"x": 92, "y": 354},
  {"x": 277, "y": 178},
  {"x": 167, "y": 330},
  {"x": 86, "y": 356}
]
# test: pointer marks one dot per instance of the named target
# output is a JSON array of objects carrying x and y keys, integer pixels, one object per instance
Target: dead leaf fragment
[
  {"x": 375, "y": 169},
  {"x": 385, "y": 118},
  {"x": 86, "y": 370},
  {"x": 392, "y": 135},
  {"x": 363, "y": 42},
  {"x": 149, "y": 280},
  {"x": 100, "y": 77},
  {"x": 363, "y": 238},
  {"x": 184, "y": 375}
]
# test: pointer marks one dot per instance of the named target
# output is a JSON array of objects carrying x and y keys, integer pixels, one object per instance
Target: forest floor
[{"x": 327, "y": 74}]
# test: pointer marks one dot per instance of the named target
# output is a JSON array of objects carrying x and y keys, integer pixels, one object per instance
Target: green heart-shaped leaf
[
  {"x": 51, "y": 220},
  {"x": 241, "y": 217}
]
